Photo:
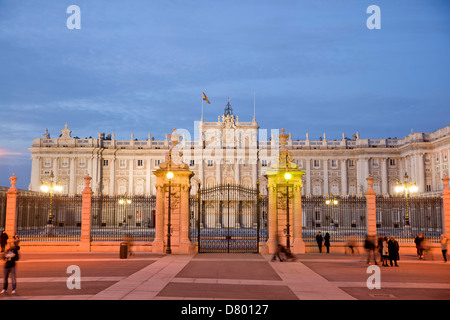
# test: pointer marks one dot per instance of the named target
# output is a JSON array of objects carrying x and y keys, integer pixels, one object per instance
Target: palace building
[{"x": 234, "y": 152}]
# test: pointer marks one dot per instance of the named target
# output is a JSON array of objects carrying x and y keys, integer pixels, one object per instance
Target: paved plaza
[{"x": 314, "y": 276}]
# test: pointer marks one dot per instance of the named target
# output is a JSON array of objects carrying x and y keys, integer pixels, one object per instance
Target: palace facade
[{"x": 231, "y": 151}]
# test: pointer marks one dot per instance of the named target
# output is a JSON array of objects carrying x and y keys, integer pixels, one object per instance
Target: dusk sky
[{"x": 141, "y": 67}]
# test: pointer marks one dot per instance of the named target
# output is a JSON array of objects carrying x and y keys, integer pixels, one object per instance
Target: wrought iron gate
[{"x": 228, "y": 219}]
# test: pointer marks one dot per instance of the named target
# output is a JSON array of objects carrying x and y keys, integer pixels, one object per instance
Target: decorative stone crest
[{"x": 65, "y": 133}]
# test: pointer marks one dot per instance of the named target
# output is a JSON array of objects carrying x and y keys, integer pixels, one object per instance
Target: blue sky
[{"x": 141, "y": 67}]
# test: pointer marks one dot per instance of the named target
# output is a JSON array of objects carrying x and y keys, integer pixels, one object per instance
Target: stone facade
[{"x": 231, "y": 151}]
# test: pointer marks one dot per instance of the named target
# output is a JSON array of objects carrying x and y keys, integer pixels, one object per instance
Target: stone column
[
  {"x": 308, "y": 176},
  {"x": 35, "y": 173},
  {"x": 72, "y": 185},
  {"x": 446, "y": 208},
  {"x": 85, "y": 239},
  {"x": 299, "y": 244},
  {"x": 272, "y": 239},
  {"x": 277, "y": 210},
  {"x": 179, "y": 213},
  {"x": 344, "y": 181},
  {"x": 131, "y": 177},
  {"x": 384, "y": 177},
  {"x": 325, "y": 177},
  {"x": 11, "y": 208},
  {"x": 112, "y": 176},
  {"x": 371, "y": 216},
  {"x": 421, "y": 172},
  {"x": 158, "y": 242},
  {"x": 185, "y": 243}
]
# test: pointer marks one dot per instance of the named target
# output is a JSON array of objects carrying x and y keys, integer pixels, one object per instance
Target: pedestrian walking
[
  {"x": 277, "y": 254},
  {"x": 420, "y": 245},
  {"x": 327, "y": 242},
  {"x": 319, "y": 240},
  {"x": 369, "y": 245},
  {"x": 351, "y": 244},
  {"x": 384, "y": 251},
  {"x": 3, "y": 240},
  {"x": 393, "y": 249},
  {"x": 444, "y": 241},
  {"x": 10, "y": 257}
]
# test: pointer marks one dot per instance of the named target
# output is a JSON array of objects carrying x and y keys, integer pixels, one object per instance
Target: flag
[{"x": 205, "y": 98}]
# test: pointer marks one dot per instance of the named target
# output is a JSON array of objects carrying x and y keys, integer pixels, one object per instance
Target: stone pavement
[{"x": 44, "y": 276}]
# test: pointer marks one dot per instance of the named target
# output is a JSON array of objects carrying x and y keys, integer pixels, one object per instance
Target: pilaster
[{"x": 86, "y": 206}]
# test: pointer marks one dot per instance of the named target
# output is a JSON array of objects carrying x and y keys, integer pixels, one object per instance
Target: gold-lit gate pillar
[
  {"x": 285, "y": 203},
  {"x": 172, "y": 203}
]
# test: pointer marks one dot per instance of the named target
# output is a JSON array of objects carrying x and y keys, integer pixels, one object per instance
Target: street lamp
[
  {"x": 332, "y": 202},
  {"x": 168, "y": 248},
  {"x": 124, "y": 202},
  {"x": 406, "y": 187},
  {"x": 51, "y": 187}
]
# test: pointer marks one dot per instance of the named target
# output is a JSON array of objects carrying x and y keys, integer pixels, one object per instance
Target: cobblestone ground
[{"x": 104, "y": 276}]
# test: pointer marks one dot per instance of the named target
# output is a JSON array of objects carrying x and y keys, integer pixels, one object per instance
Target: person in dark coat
[
  {"x": 3, "y": 240},
  {"x": 393, "y": 249},
  {"x": 10, "y": 257},
  {"x": 319, "y": 240},
  {"x": 370, "y": 246},
  {"x": 327, "y": 242},
  {"x": 420, "y": 241}
]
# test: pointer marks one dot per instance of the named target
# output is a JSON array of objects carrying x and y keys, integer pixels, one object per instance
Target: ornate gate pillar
[
  {"x": 172, "y": 204},
  {"x": 285, "y": 200}
]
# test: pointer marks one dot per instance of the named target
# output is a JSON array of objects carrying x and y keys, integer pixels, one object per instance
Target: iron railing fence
[
  {"x": 227, "y": 218},
  {"x": 424, "y": 214},
  {"x": 3, "y": 199},
  {"x": 194, "y": 223},
  {"x": 49, "y": 218},
  {"x": 115, "y": 218},
  {"x": 343, "y": 217}
]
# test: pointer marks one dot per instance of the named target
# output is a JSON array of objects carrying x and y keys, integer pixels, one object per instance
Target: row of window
[{"x": 210, "y": 163}]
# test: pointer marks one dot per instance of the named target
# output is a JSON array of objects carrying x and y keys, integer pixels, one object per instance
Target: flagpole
[{"x": 202, "y": 106}]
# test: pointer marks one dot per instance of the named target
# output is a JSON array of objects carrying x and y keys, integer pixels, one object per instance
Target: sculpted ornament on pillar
[{"x": 174, "y": 161}]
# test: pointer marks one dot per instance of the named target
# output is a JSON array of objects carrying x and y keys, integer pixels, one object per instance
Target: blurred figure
[
  {"x": 419, "y": 240},
  {"x": 280, "y": 249},
  {"x": 127, "y": 239},
  {"x": 10, "y": 257},
  {"x": 384, "y": 251},
  {"x": 319, "y": 240},
  {"x": 3, "y": 240},
  {"x": 16, "y": 241},
  {"x": 351, "y": 244},
  {"x": 393, "y": 249},
  {"x": 380, "y": 247},
  {"x": 327, "y": 242},
  {"x": 444, "y": 241},
  {"x": 369, "y": 245}
]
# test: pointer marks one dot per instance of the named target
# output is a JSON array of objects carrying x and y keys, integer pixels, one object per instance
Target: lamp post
[
  {"x": 124, "y": 202},
  {"x": 168, "y": 248},
  {"x": 406, "y": 187},
  {"x": 332, "y": 203},
  {"x": 287, "y": 176},
  {"x": 51, "y": 187}
]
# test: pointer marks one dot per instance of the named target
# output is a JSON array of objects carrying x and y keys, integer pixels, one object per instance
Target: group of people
[
  {"x": 388, "y": 248},
  {"x": 10, "y": 251}
]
